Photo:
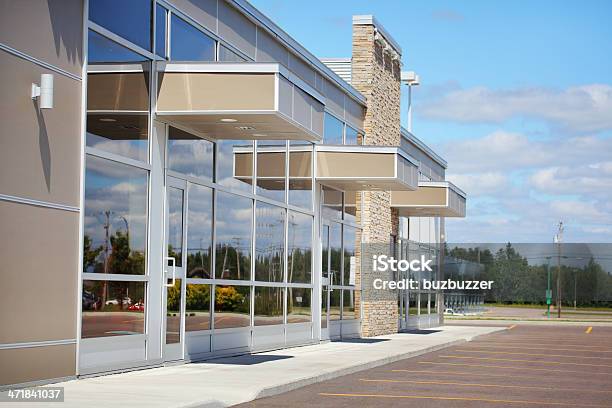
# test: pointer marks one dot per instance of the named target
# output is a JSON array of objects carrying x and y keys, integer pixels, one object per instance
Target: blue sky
[{"x": 516, "y": 95}]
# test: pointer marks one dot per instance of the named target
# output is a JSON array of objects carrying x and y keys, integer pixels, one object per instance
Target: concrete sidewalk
[{"x": 233, "y": 380}]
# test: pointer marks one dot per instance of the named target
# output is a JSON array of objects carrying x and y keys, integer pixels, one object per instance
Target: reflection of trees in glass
[
  {"x": 232, "y": 262},
  {"x": 230, "y": 299},
  {"x": 268, "y": 301},
  {"x": 299, "y": 268},
  {"x": 198, "y": 264},
  {"x": 198, "y": 297},
  {"x": 174, "y": 296},
  {"x": 90, "y": 254},
  {"x": 516, "y": 281}
]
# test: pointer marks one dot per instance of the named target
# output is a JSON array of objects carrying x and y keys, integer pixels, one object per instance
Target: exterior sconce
[{"x": 44, "y": 91}]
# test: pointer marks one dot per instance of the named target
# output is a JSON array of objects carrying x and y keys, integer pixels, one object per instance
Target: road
[{"x": 527, "y": 365}]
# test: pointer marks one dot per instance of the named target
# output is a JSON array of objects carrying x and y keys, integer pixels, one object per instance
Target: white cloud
[{"x": 583, "y": 108}]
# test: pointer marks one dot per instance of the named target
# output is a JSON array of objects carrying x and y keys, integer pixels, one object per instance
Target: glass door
[
  {"x": 325, "y": 281},
  {"x": 174, "y": 270}
]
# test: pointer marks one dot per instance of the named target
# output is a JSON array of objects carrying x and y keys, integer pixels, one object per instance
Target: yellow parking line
[
  {"x": 531, "y": 344},
  {"x": 528, "y": 361},
  {"x": 589, "y": 330},
  {"x": 550, "y": 370},
  {"x": 500, "y": 401},
  {"x": 525, "y": 387},
  {"x": 531, "y": 354},
  {"x": 463, "y": 373},
  {"x": 539, "y": 348}
]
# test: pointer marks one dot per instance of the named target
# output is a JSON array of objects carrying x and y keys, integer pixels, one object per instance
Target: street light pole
[
  {"x": 411, "y": 79},
  {"x": 558, "y": 239}
]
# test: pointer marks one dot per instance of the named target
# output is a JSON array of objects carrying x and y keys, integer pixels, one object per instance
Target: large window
[
  {"x": 190, "y": 155},
  {"x": 129, "y": 19},
  {"x": 232, "y": 306},
  {"x": 115, "y": 229},
  {"x": 300, "y": 174},
  {"x": 271, "y": 169},
  {"x": 268, "y": 305},
  {"x": 161, "y": 18},
  {"x": 199, "y": 232},
  {"x": 188, "y": 43},
  {"x": 299, "y": 249},
  {"x": 298, "y": 305},
  {"x": 117, "y": 99},
  {"x": 233, "y": 233},
  {"x": 333, "y": 130},
  {"x": 112, "y": 308},
  {"x": 269, "y": 243}
]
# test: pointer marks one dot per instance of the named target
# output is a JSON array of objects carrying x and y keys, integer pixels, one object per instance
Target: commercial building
[{"x": 181, "y": 179}]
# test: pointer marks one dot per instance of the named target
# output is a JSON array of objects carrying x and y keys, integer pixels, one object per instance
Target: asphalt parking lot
[{"x": 527, "y": 365}]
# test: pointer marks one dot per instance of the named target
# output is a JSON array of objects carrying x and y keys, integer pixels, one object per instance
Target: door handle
[{"x": 170, "y": 258}]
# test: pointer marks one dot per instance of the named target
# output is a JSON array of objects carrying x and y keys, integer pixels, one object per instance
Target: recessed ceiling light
[
  {"x": 259, "y": 135},
  {"x": 228, "y": 120},
  {"x": 107, "y": 120}
]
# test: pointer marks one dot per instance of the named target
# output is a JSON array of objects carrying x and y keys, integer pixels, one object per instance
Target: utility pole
[{"x": 558, "y": 240}]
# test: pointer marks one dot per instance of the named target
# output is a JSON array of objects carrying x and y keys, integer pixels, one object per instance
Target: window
[
  {"x": 348, "y": 304},
  {"x": 299, "y": 250},
  {"x": 117, "y": 99},
  {"x": 227, "y": 55},
  {"x": 190, "y": 154},
  {"x": 233, "y": 233},
  {"x": 268, "y": 306},
  {"x": 188, "y": 43},
  {"x": 271, "y": 169},
  {"x": 232, "y": 306},
  {"x": 161, "y": 16},
  {"x": 349, "y": 243},
  {"x": 269, "y": 243},
  {"x": 352, "y": 137},
  {"x": 298, "y": 305},
  {"x": 128, "y": 19},
  {"x": 335, "y": 245},
  {"x": 235, "y": 164},
  {"x": 332, "y": 204},
  {"x": 111, "y": 308},
  {"x": 333, "y": 130},
  {"x": 300, "y": 174},
  {"x": 199, "y": 232},
  {"x": 173, "y": 313},
  {"x": 350, "y": 206},
  {"x": 175, "y": 225},
  {"x": 115, "y": 229},
  {"x": 335, "y": 304},
  {"x": 197, "y": 314}
]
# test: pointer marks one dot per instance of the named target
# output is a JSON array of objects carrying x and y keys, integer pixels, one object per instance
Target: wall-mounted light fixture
[{"x": 44, "y": 91}]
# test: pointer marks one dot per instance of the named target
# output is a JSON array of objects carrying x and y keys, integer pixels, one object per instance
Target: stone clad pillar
[{"x": 376, "y": 74}]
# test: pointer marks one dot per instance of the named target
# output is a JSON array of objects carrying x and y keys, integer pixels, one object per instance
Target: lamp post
[{"x": 411, "y": 79}]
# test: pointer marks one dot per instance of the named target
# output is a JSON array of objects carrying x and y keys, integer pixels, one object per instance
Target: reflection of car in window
[{"x": 126, "y": 301}]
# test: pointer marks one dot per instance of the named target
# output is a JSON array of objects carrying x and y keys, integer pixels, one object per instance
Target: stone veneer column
[{"x": 377, "y": 76}]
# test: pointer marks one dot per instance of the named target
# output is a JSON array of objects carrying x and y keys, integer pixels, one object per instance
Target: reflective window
[
  {"x": 197, "y": 314},
  {"x": 187, "y": 43},
  {"x": 160, "y": 30},
  {"x": 190, "y": 154},
  {"x": 299, "y": 249},
  {"x": 324, "y": 295},
  {"x": 300, "y": 174},
  {"x": 227, "y": 55},
  {"x": 232, "y": 306},
  {"x": 334, "y": 304},
  {"x": 423, "y": 304},
  {"x": 175, "y": 225},
  {"x": 348, "y": 304},
  {"x": 129, "y": 19},
  {"x": 115, "y": 218},
  {"x": 269, "y": 242},
  {"x": 332, "y": 204},
  {"x": 335, "y": 247},
  {"x": 332, "y": 132},
  {"x": 350, "y": 205},
  {"x": 199, "y": 232},
  {"x": 112, "y": 308},
  {"x": 117, "y": 99},
  {"x": 271, "y": 169},
  {"x": 173, "y": 313},
  {"x": 351, "y": 137},
  {"x": 349, "y": 241},
  {"x": 298, "y": 305},
  {"x": 235, "y": 164},
  {"x": 233, "y": 218},
  {"x": 268, "y": 306}
]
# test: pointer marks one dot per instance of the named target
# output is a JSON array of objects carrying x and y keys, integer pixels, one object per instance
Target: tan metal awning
[
  {"x": 239, "y": 101},
  {"x": 362, "y": 168},
  {"x": 431, "y": 199}
]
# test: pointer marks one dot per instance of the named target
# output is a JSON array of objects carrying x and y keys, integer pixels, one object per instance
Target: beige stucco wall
[{"x": 377, "y": 77}]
